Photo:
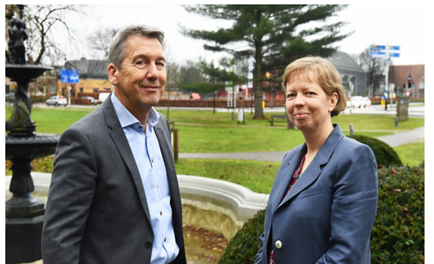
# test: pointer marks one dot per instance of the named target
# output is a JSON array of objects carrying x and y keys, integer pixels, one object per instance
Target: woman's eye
[{"x": 290, "y": 95}]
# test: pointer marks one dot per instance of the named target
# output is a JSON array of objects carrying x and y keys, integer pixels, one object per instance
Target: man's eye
[
  {"x": 160, "y": 64},
  {"x": 140, "y": 64}
]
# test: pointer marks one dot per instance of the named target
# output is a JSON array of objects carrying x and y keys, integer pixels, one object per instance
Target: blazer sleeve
[
  {"x": 258, "y": 259},
  {"x": 70, "y": 196},
  {"x": 354, "y": 205}
]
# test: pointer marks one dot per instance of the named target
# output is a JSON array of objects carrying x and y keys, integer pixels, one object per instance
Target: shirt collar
[{"x": 127, "y": 119}]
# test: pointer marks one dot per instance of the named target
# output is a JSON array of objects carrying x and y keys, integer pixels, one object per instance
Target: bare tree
[
  {"x": 375, "y": 68},
  {"x": 100, "y": 41},
  {"x": 41, "y": 20}
]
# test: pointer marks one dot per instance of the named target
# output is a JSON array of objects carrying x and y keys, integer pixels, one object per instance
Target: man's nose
[{"x": 152, "y": 72}]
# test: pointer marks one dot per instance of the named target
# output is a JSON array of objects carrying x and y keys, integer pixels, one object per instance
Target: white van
[{"x": 102, "y": 97}]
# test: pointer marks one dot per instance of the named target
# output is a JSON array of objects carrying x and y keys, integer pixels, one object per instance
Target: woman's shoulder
[{"x": 352, "y": 147}]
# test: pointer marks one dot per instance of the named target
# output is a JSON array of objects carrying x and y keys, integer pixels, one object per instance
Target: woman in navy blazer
[{"x": 323, "y": 203}]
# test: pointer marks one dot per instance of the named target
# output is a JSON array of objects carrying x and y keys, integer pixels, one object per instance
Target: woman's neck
[{"x": 316, "y": 138}]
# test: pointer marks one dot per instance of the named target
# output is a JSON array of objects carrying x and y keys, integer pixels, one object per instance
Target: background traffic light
[{"x": 410, "y": 83}]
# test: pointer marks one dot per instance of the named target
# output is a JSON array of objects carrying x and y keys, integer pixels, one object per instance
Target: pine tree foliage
[{"x": 274, "y": 35}]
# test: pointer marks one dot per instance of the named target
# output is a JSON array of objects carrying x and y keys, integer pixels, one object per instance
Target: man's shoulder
[{"x": 94, "y": 120}]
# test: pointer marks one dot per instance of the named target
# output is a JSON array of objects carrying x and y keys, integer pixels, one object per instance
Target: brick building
[
  {"x": 400, "y": 74},
  {"x": 93, "y": 77}
]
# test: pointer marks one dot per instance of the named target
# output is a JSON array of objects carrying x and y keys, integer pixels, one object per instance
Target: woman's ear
[
  {"x": 334, "y": 98},
  {"x": 112, "y": 72}
]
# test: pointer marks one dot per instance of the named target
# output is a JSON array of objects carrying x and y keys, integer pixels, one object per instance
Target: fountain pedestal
[{"x": 25, "y": 214}]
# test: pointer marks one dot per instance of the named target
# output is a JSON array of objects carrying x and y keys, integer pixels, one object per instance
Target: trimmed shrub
[
  {"x": 245, "y": 244},
  {"x": 398, "y": 232},
  {"x": 384, "y": 154}
]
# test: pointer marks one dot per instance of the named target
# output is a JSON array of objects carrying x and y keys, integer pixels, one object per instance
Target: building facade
[
  {"x": 400, "y": 75},
  {"x": 354, "y": 78}
]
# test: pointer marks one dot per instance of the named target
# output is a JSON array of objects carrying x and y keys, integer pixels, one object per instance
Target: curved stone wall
[{"x": 212, "y": 204}]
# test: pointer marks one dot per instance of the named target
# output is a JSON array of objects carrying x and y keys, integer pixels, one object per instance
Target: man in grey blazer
[{"x": 114, "y": 195}]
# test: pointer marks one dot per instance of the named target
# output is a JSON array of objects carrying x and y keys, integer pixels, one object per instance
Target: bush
[
  {"x": 384, "y": 154},
  {"x": 398, "y": 232},
  {"x": 245, "y": 244}
]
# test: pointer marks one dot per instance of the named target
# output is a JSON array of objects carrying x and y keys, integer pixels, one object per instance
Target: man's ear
[{"x": 112, "y": 72}]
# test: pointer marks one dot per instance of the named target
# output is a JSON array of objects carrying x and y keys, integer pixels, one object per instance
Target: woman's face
[{"x": 308, "y": 106}]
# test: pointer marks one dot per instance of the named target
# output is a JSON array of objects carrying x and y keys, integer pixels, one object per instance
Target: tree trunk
[{"x": 257, "y": 84}]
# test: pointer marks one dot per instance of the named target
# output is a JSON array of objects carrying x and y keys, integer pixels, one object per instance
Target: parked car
[
  {"x": 367, "y": 101},
  {"x": 10, "y": 97},
  {"x": 92, "y": 100},
  {"x": 356, "y": 102},
  {"x": 57, "y": 100},
  {"x": 359, "y": 102}
]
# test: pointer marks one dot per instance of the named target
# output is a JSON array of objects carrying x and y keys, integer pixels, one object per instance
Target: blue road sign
[
  {"x": 377, "y": 47},
  {"x": 394, "y": 47},
  {"x": 377, "y": 54},
  {"x": 394, "y": 54},
  {"x": 69, "y": 76}
]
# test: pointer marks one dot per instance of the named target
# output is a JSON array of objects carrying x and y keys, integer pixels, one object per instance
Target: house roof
[
  {"x": 342, "y": 60},
  {"x": 90, "y": 68}
]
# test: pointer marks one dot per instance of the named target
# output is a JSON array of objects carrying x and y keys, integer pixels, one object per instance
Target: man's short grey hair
[{"x": 117, "y": 50}]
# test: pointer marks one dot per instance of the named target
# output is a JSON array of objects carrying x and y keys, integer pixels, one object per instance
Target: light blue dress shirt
[{"x": 149, "y": 160}]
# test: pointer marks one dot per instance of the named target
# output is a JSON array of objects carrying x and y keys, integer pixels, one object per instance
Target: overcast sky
[{"x": 381, "y": 24}]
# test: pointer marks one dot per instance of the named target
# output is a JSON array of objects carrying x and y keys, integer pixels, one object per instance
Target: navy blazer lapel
[
  {"x": 121, "y": 142},
  {"x": 314, "y": 169},
  {"x": 286, "y": 177}
]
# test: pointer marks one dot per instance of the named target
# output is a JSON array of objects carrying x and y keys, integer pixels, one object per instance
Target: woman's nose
[{"x": 299, "y": 100}]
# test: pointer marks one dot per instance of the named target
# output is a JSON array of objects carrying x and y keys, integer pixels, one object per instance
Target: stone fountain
[{"x": 24, "y": 214}]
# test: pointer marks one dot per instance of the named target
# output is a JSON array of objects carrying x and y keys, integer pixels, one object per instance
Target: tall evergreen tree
[{"x": 274, "y": 35}]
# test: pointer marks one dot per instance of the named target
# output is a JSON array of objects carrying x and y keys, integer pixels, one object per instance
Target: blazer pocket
[{"x": 310, "y": 192}]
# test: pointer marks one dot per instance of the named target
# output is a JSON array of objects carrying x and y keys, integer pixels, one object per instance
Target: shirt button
[
  {"x": 161, "y": 213},
  {"x": 152, "y": 160},
  {"x": 278, "y": 244},
  {"x": 165, "y": 239}
]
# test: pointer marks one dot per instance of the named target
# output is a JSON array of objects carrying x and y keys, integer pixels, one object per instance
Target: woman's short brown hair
[{"x": 322, "y": 72}]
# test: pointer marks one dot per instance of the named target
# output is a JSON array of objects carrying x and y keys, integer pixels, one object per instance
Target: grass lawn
[{"x": 206, "y": 132}]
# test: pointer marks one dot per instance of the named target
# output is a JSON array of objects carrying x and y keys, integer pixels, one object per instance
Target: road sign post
[{"x": 387, "y": 52}]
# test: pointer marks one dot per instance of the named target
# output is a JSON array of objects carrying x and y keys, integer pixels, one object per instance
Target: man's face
[{"x": 141, "y": 81}]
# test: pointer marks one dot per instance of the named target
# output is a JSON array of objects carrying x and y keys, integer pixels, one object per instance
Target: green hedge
[
  {"x": 384, "y": 154},
  {"x": 245, "y": 244},
  {"x": 398, "y": 232}
]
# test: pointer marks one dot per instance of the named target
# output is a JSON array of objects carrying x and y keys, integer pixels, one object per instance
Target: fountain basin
[
  {"x": 25, "y": 71},
  {"x": 212, "y": 204}
]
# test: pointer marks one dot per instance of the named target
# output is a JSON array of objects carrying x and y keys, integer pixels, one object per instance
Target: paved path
[{"x": 397, "y": 139}]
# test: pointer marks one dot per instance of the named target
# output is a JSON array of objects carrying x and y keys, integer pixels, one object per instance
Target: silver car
[{"x": 57, "y": 100}]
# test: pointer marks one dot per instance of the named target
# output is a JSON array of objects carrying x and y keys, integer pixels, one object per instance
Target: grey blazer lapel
[
  {"x": 163, "y": 137},
  {"x": 117, "y": 134},
  {"x": 314, "y": 169}
]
